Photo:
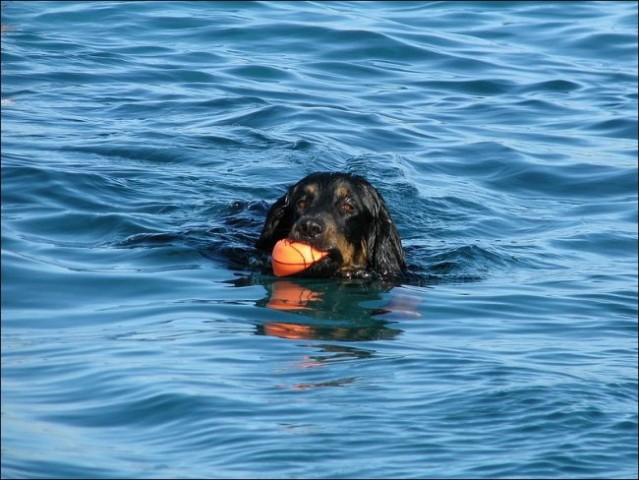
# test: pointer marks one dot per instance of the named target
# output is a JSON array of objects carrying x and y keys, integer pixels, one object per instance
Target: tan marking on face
[
  {"x": 342, "y": 191},
  {"x": 310, "y": 189},
  {"x": 352, "y": 259}
]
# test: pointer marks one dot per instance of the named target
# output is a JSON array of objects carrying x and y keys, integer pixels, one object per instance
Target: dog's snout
[{"x": 309, "y": 228}]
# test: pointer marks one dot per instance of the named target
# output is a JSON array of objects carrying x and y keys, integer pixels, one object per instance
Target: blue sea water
[{"x": 142, "y": 143}]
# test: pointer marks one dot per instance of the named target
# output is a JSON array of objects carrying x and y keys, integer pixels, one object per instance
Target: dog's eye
[
  {"x": 348, "y": 207},
  {"x": 301, "y": 204}
]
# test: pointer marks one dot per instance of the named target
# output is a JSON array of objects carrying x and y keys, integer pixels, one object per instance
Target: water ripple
[{"x": 144, "y": 337}]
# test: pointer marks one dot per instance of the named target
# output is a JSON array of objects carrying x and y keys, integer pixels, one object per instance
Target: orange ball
[{"x": 290, "y": 257}]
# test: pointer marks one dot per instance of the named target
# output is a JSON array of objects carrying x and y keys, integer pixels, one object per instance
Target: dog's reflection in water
[
  {"x": 330, "y": 311},
  {"x": 337, "y": 314}
]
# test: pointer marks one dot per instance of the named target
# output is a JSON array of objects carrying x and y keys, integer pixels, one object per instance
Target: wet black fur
[{"x": 343, "y": 214}]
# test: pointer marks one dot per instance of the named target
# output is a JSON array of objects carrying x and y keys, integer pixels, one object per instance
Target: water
[{"x": 141, "y": 146}]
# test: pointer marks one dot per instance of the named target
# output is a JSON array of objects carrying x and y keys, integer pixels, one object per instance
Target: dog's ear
[
  {"x": 388, "y": 258},
  {"x": 277, "y": 224},
  {"x": 385, "y": 252}
]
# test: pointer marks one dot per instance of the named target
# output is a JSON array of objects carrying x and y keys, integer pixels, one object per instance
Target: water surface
[{"x": 142, "y": 143}]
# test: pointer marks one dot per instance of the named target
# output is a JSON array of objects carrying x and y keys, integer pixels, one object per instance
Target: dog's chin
[
  {"x": 332, "y": 266},
  {"x": 328, "y": 267}
]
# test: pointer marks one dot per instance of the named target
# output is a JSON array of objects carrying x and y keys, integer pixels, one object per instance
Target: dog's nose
[{"x": 309, "y": 228}]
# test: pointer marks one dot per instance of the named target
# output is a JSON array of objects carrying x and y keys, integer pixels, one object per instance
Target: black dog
[{"x": 344, "y": 215}]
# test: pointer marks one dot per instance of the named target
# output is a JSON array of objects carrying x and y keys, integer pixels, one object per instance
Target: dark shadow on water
[{"x": 230, "y": 236}]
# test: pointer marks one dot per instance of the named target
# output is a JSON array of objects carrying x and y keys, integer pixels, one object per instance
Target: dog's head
[{"x": 344, "y": 215}]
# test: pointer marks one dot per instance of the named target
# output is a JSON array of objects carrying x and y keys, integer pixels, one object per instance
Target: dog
[{"x": 344, "y": 215}]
